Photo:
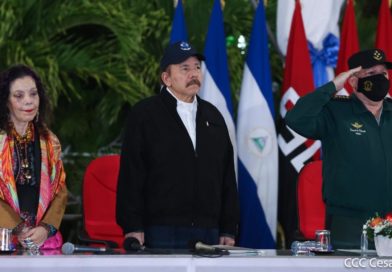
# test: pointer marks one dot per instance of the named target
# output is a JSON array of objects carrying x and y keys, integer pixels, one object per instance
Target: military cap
[{"x": 369, "y": 58}]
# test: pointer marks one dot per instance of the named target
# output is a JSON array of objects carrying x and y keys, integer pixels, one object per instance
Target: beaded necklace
[{"x": 24, "y": 171}]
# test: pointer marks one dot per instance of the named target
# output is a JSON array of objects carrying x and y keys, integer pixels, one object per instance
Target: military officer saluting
[{"x": 356, "y": 135}]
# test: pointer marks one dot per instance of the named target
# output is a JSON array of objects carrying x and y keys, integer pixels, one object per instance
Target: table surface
[{"x": 249, "y": 261}]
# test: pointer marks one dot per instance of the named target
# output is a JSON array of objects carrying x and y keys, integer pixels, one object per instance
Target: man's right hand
[
  {"x": 343, "y": 77},
  {"x": 137, "y": 235}
]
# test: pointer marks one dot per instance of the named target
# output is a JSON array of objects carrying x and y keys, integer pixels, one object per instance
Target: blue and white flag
[
  {"x": 215, "y": 87},
  {"x": 178, "y": 32},
  {"x": 257, "y": 144}
]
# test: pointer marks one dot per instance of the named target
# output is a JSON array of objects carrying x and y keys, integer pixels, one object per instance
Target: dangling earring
[{"x": 36, "y": 117}]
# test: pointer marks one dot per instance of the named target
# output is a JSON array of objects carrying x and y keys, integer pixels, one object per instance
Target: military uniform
[{"x": 357, "y": 158}]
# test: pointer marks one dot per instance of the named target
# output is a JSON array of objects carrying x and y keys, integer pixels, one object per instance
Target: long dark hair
[{"x": 7, "y": 77}]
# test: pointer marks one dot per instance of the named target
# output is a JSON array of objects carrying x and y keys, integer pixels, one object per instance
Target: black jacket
[{"x": 163, "y": 180}]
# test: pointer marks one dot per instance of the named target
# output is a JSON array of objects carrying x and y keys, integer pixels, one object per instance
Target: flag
[
  {"x": 216, "y": 87},
  {"x": 178, "y": 32},
  {"x": 384, "y": 33},
  {"x": 257, "y": 145},
  {"x": 348, "y": 43},
  {"x": 320, "y": 19},
  {"x": 294, "y": 150}
]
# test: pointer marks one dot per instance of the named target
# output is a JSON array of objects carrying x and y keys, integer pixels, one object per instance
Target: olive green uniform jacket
[{"x": 356, "y": 150}]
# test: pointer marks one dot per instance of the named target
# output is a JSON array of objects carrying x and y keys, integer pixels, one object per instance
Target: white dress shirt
[{"x": 187, "y": 113}]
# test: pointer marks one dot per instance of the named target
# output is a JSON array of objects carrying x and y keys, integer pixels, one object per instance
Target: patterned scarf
[{"x": 52, "y": 173}]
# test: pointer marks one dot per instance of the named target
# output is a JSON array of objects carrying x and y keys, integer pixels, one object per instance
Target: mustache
[{"x": 193, "y": 81}]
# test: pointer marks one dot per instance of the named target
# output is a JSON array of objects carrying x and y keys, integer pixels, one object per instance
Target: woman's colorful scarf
[{"x": 52, "y": 172}]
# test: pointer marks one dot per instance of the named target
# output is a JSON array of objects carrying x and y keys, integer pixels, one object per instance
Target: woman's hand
[
  {"x": 37, "y": 235},
  {"x": 22, "y": 234}
]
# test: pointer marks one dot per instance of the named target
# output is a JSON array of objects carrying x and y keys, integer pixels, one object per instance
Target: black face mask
[{"x": 374, "y": 87}]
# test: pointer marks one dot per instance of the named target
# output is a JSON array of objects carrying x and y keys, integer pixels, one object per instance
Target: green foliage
[
  {"x": 366, "y": 13},
  {"x": 94, "y": 57},
  {"x": 238, "y": 21},
  {"x": 85, "y": 52}
]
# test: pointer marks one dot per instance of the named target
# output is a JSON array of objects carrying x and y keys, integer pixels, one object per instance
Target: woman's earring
[{"x": 36, "y": 117}]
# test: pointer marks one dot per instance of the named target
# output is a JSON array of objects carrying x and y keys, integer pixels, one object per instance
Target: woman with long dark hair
[{"x": 33, "y": 193}]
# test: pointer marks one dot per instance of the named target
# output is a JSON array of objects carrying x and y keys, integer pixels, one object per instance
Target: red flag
[
  {"x": 294, "y": 150},
  {"x": 298, "y": 69},
  {"x": 348, "y": 41},
  {"x": 384, "y": 32}
]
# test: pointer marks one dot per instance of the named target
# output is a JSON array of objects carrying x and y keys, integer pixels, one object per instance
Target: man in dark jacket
[
  {"x": 177, "y": 180},
  {"x": 356, "y": 135}
]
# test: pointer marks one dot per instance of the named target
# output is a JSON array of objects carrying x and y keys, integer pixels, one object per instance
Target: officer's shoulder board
[
  {"x": 388, "y": 99},
  {"x": 341, "y": 98}
]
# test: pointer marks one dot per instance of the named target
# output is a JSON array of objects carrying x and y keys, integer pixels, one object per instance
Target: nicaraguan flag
[
  {"x": 215, "y": 87},
  {"x": 257, "y": 144},
  {"x": 178, "y": 32}
]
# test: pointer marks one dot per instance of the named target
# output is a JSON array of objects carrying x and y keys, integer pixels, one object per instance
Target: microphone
[
  {"x": 207, "y": 249},
  {"x": 69, "y": 248},
  {"x": 132, "y": 244}
]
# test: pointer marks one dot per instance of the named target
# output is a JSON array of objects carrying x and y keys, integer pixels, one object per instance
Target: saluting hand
[{"x": 343, "y": 77}]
